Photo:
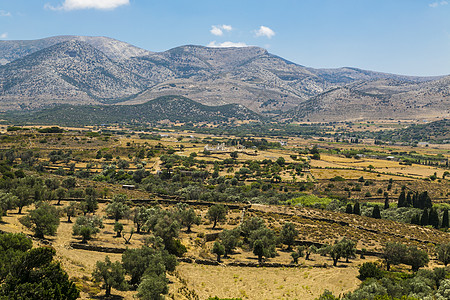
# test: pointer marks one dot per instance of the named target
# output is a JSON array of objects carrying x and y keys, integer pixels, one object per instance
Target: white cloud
[
  {"x": 265, "y": 31},
  {"x": 214, "y": 44},
  {"x": 4, "y": 13},
  {"x": 437, "y": 3},
  {"x": 4, "y": 35},
  {"x": 88, "y": 4},
  {"x": 218, "y": 29}
]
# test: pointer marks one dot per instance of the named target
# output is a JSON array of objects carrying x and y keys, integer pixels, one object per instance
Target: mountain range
[{"x": 80, "y": 70}]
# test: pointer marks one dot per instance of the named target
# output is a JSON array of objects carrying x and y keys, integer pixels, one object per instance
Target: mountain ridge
[{"x": 110, "y": 71}]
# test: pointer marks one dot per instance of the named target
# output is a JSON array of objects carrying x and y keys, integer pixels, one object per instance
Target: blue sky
[{"x": 409, "y": 37}]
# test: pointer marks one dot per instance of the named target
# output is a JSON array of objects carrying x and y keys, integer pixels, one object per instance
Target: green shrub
[{"x": 370, "y": 270}]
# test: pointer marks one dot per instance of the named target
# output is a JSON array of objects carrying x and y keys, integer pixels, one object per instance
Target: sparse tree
[
  {"x": 44, "y": 220},
  {"x": 60, "y": 194},
  {"x": 117, "y": 209},
  {"x": 250, "y": 225},
  {"x": 416, "y": 258},
  {"x": 140, "y": 216},
  {"x": 71, "y": 210},
  {"x": 310, "y": 250},
  {"x": 118, "y": 228},
  {"x": 90, "y": 204},
  {"x": 87, "y": 226},
  {"x": 187, "y": 216},
  {"x": 111, "y": 274},
  {"x": 23, "y": 194},
  {"x": 394, "y": 254},
  {"x": 218, "y": 249},
  {"x": 288, "y": 234},
  {"x": 263, "y": 241},
  {"x": 140, "y": 261},
  {"x": 217, "y": 213},
  {"x": 229, "y": 239}
]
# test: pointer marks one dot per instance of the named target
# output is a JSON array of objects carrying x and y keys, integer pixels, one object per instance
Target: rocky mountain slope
[
  {"x": 99, "y": 70},
  {"x": 69, "y": 72},
  {"x": 379, "y": 99},
  {"x": 114, "y": 49}
]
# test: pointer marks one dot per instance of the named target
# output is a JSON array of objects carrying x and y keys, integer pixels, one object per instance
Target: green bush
[
  {"x": 370, "y": 270},
  {"x": 310, "y": 201}
]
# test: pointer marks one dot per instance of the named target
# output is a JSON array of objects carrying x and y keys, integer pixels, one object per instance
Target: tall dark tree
[
  {"x": 402, "y": 199},
  {"x": 433, "y": 218},
  {"x": 356, "y": 209},
  {"x": 376, "y": 212},
  {"x": 445, "y": 222},
  {"x": 386, "y": 201},
  {"x": 349, "y": 209},
  {"x": 424, "y": 220},
  {"x": 409, "y": 201}
]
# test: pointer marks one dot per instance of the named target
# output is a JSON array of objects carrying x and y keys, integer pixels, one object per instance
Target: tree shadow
[{"x": 111, "y": 297}]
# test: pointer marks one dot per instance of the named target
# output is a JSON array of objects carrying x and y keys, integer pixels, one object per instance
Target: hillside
[
  {"x": 70, "y": 72},
  {"x": 375, "y": 100},
  {"x": 114, "y": 49},
  {"x": 172, "y": 108},
  {"x": 96, "y": 70}
]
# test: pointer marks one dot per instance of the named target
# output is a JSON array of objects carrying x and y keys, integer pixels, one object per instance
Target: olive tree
[
  {"x": 44, "y": 220},
  {"x": 112, "y": 274},
  {"x": 288, "y": 234},
  {"x": 217, "y": 213},
  {"x": 87, "y": 226}
]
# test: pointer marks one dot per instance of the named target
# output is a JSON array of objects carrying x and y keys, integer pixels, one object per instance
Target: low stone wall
[{"x": 97, "y": 248}]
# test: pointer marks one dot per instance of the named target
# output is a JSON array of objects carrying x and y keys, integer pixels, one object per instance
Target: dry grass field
[
  {"x": 190, "y": 280},
  {"x": 197, "y": 281}
]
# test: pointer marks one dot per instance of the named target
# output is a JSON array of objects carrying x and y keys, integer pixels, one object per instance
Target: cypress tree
[
  {"x": 424, "y": 218},
  {"x": 402, "y": 199},
  {"x": 356, "y": 209},
  {"x": 376, "y": 212},
  {"x": 433, "y": 219},
  {"x": 427, "y": 200},
  {"x": 415, "y": 200},
  {"x": 445, "y": 219},
  {"x": 415, "y": 219},
  {"x": 409, "y": 201},
  {"x": 349, "y": 209},
  {"x": 386, "y": 201}
]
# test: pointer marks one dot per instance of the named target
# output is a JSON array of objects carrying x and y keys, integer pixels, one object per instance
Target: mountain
[
  {"x": 114, "y": 49},
  {"x": 69, "y": 72},
  {"x": 99, "y": 70},
  {"x": 249, "y": 76},
  {"x": 171, "y": 108},
  {"x": 378, "y": 99}
]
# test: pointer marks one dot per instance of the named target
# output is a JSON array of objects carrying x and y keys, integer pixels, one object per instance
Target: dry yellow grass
[{"x": 267, "y": 283}]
